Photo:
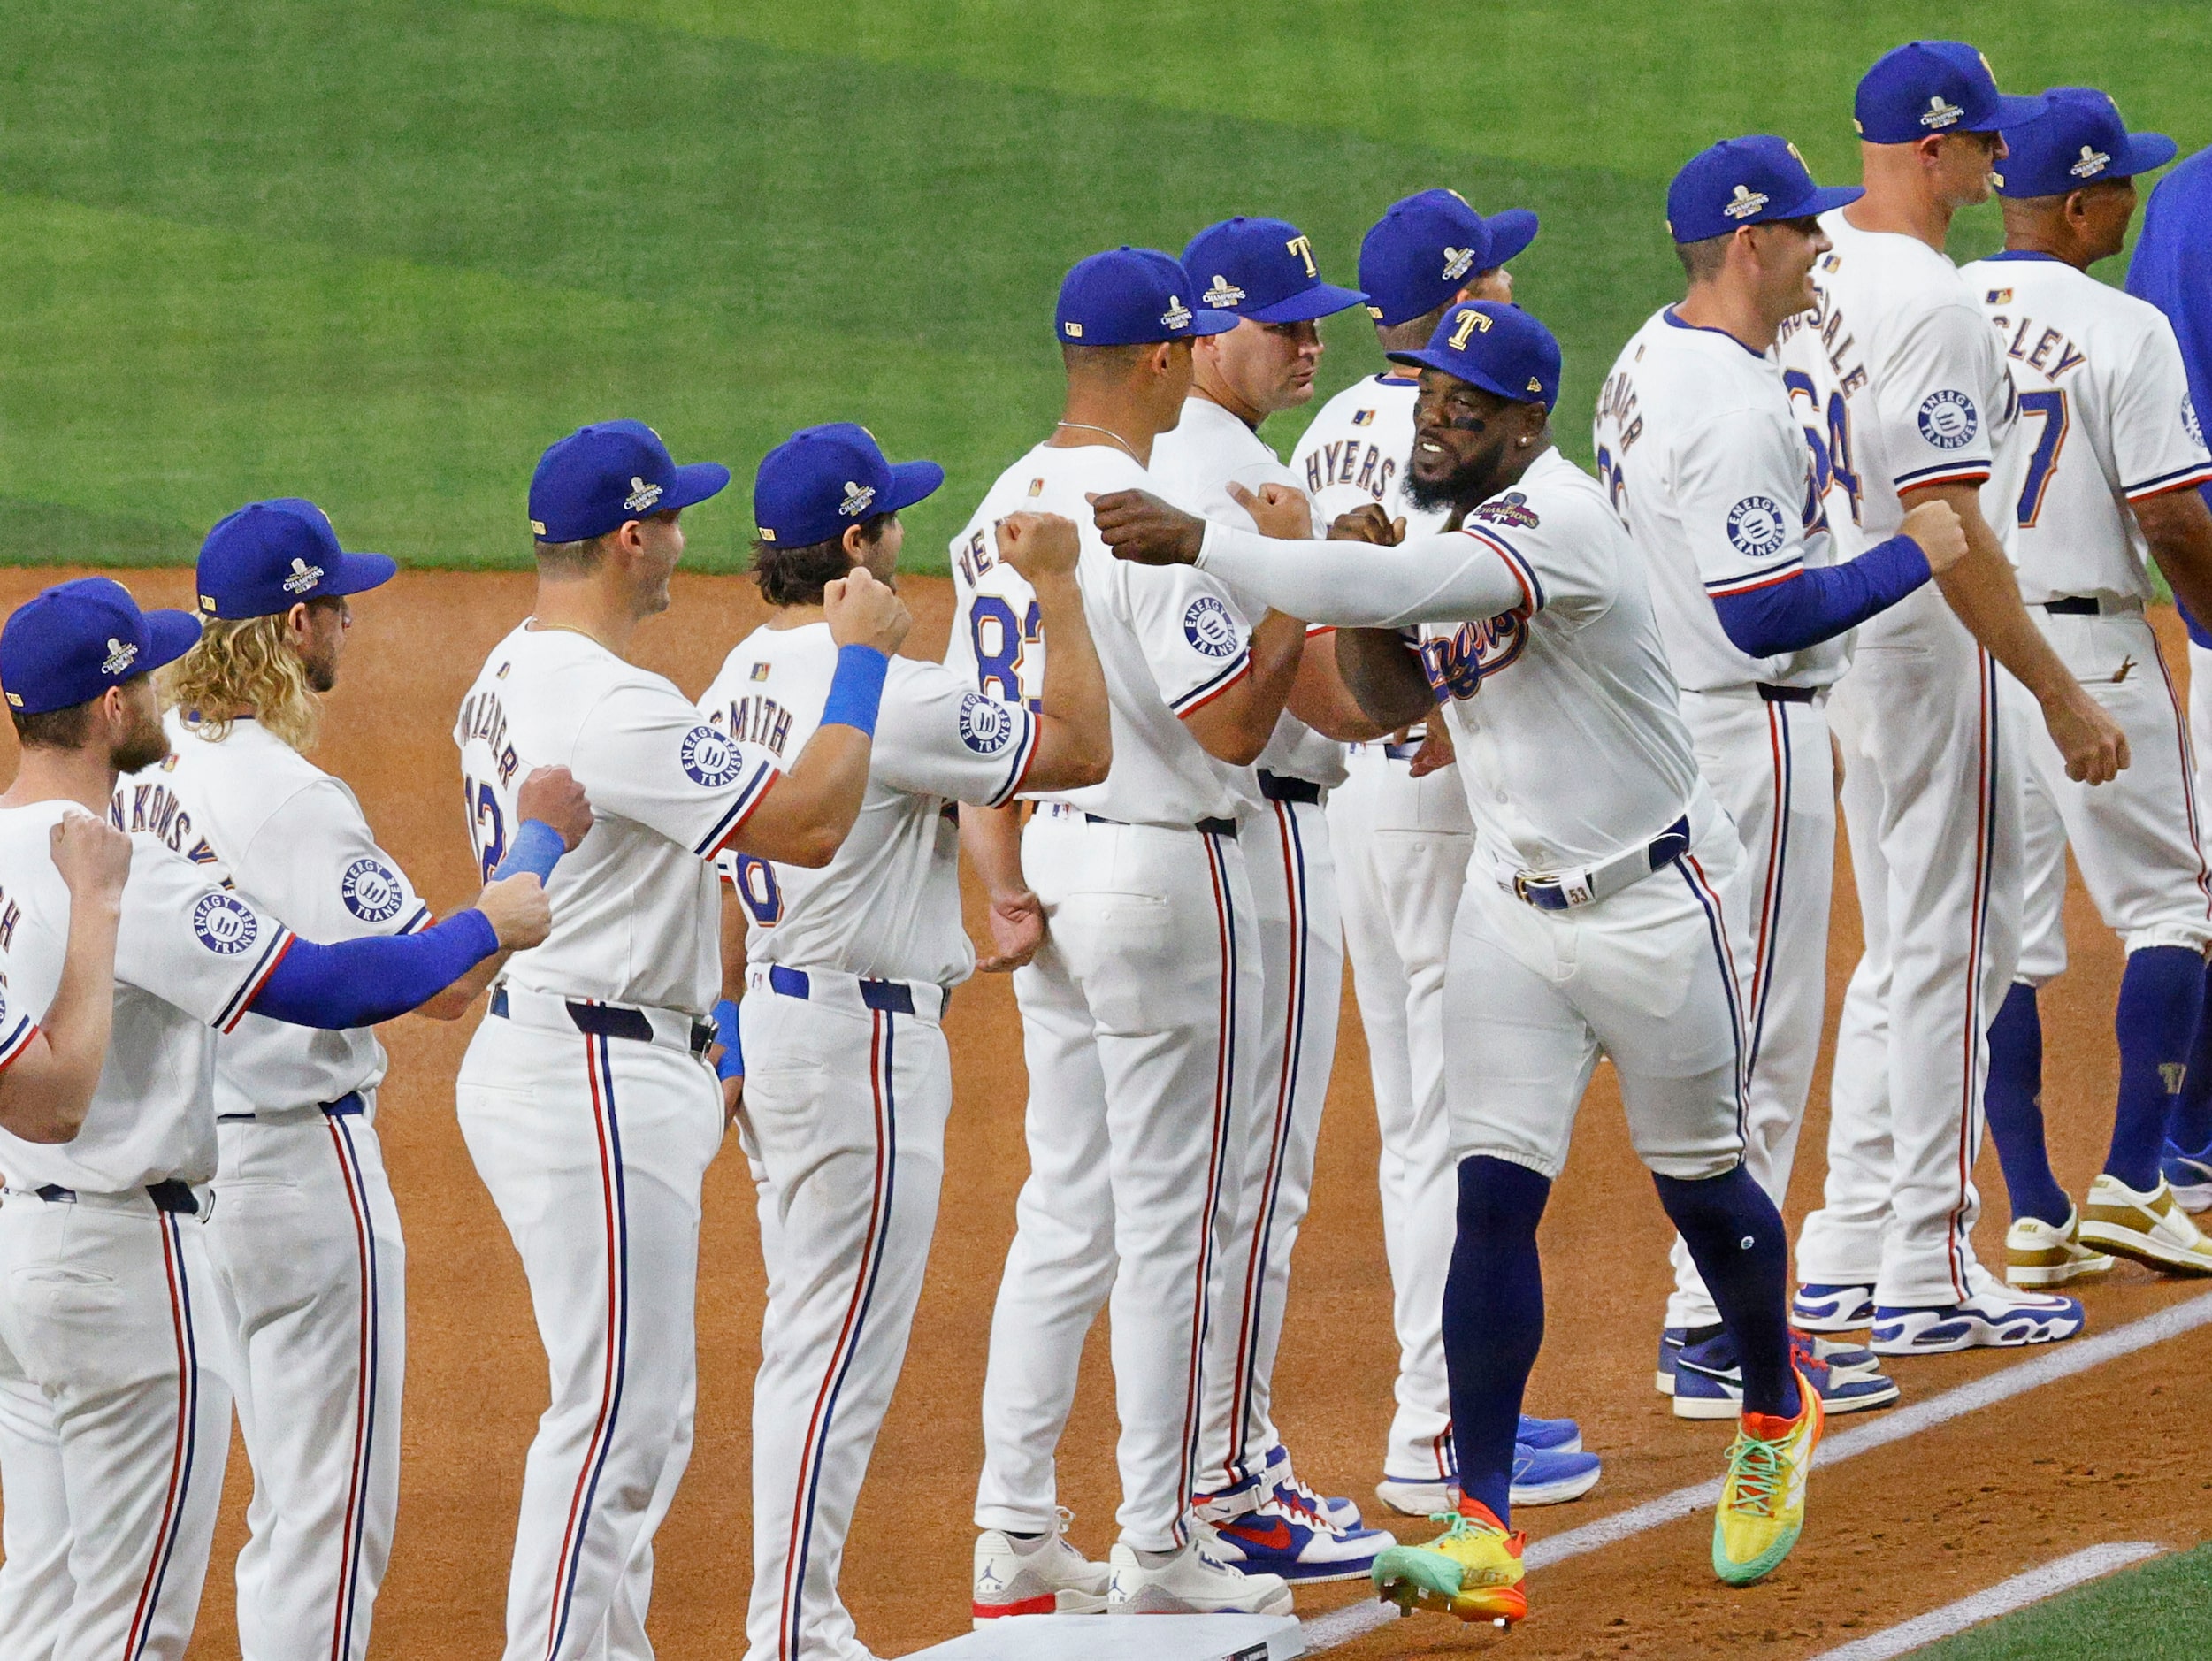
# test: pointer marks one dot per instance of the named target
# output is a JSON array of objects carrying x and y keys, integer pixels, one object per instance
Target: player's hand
[
  {"x": 520, "y": 913},
  {"x": 551, "y": 793},
  {"x": 1039, "y": 544},
  {"x": 1017, "y": 922},
  {"x": 1367, "y": 523},
  {"x": 93, "y": 857},
  {"x": 1934, "y": 525},
  {"x": 1280, "y": 510},
  {"x": 1138, "y": 525},
  {"x": 1435, "y": 753},
  {"x": 2095, "y": 747},
  {"x": 864, "y": 612}
]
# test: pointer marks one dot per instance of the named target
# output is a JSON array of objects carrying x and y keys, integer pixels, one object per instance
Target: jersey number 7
[{"x": 2044, "y": 462}]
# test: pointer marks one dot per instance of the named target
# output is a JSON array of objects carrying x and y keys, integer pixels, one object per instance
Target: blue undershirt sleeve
[
  {"x": 360, "y": 983},
  {"x": 1820, "y": 603}
]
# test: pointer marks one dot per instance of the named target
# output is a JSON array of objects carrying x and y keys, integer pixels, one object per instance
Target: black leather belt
[
  {"x": 1787, "y": 694},
  {"x": 168, "y": 1195},
  {"x": 893, "y": 998},
  {"x": 615, "y": 1020},
  {"x": 2073, "y": 606},
  {"x": 348, "y": 1103},
  {"x": 1211, "y": 827},
  {"x": 1282, "y": 787}
]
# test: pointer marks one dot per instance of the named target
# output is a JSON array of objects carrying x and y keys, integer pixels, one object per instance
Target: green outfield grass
[
  {"x": 2162, "y": 1612},
  {"x": 382, "y": 251}
]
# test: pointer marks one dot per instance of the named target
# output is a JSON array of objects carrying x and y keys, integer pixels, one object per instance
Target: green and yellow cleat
[
  {"x": 1472, "y": 1570},
  {"x": 1762, "y": 1500}
]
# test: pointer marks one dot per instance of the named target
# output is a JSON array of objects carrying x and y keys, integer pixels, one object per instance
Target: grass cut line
[
  {"x": 2063, "y": 1360},
  {"x": 2001, "y": 1599}
]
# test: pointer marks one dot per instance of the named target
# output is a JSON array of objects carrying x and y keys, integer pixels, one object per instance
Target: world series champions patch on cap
[
  {"x": 2078, "y": 140},
  {"x": 1933, "y": 87},
  {"x": 77, "y": 639},
  {"x": 823, "y": 478},
  {"x": 1743, "y": 181},
  {"x": 1133, "y": 296},
  {"x": 1264, "y": 270},
  {"x": 1426, "y": 246},
  {"x": 599, "y": 478},
  {"x": 269, "y": 557}
]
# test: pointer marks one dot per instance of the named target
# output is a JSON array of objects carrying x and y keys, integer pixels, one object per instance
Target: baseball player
[
  {"x": 1599, "y": 911},
  {"x": 1263, "y": 270},
  {"x": 2111, "y": 435},
  {"x": 2171, "y": 267},
  {"x": 1401, "y": 837},
  {"x": 587, "y": 1102},
  {"x": 305, "y": 1241},
  {"x": 1896, "y": 373},
  {"x": 106, "y": 1296},
  {"x": 1710, "y": 473},
  {"x": 848, "y": 968},
  {"x": 1127, "y": 907}
]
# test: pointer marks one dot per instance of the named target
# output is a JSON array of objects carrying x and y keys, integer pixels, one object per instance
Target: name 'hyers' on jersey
[{"x": 1354, "y": 461}]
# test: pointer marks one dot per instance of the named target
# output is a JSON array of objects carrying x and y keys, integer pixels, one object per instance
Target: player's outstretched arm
[
  {"x": 1984, "y": 593},
  {"x": 1382, "y": 671},
  {"x": 555, "y": 817},
  {"x": 2178, "y": 527},
  {"x": 47, "y": 1089},
  {"x": 805, "y": 815},
  {"x": 1816, "y": 603},
  {"x": 1075, "y": 739}
]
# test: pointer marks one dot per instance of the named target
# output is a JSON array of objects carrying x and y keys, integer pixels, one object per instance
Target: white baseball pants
[
  {"x": 846, "y": 1093},
  {"x": 1649, "y": 977},
  {"x": 2201, "y": 719},
  {"x": 309, "y": 1278},
  {"x": 593, "y": 1150},
  {"x": 1301, "y": 940},
  {"x": 2136, "y": 839},
  {"x": 1770, "y": 766},
  {"x": 1932, "y": 760},
  {"x": 1139, "y": 1019},
  {"x": 106, "y": 1308},
  {"x": 1402, "y": 846}
]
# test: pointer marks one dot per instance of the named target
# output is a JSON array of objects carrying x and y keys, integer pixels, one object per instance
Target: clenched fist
[
  {"x": 1280, "y": 511},
  {"x": 864, "y": 612},
  {"x": 552, "y": 794},
  {"x": 1039, "y": 545},
  {"x": 93, "y": 857},
  {"x": 1934, "y": 525},
  {"x": 520, "y": 913}
]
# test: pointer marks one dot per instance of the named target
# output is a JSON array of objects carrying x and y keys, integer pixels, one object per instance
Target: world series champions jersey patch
[
  {"x": 1207, "y": 625},
  {"x": 986, "y": 725},
  {"x": 710, "y": 758},
  {"x": 371, "y": 890},
  {"x": 225, "y": 926}
]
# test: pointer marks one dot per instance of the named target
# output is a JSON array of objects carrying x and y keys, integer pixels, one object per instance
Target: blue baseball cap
[
  {"x": 1933, "y": 87},
  {"x": 599, "y": 478},
  {"x": 269, "y": 557},
  {"x": 1500, "y": 348},
  {"x": 72, "y": 642},
  {"x": 1424, "y": 248},
  {"x": 1263, "y": 270},
  {"x": 1746, "y": 181},
  {"x": 1132, "y": 296},
  {"x": 2078, "y": 140},
  {"x": 820, "y": 480}
]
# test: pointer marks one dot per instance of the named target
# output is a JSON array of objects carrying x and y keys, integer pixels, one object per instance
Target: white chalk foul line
[
  {"x": 2001, "y": 1599},
  {"x": 2060, "y": 1360}
]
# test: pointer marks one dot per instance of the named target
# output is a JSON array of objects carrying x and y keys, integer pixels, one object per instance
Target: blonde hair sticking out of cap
[{"x": 243, "y": 667}]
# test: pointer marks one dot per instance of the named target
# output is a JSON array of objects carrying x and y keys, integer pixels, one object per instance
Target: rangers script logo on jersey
[
  {"x": 1456, "y": 663},
  {"x": 1207, "y": 625},
  {"x": 709, "y": 758},
  {"x": 225, "y": 926},
  {"x": 1948, "y": 419},
  {"x": 371, "y": 890}
]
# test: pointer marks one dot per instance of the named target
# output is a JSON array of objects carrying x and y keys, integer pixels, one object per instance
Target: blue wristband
[
  {"x": 733, "y": 1062},
  {"x": 537, "y": 848},
  {"x": 856, "y": 690}
]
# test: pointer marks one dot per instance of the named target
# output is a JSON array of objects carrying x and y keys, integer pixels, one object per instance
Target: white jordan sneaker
[
  {"x": 1035, "y": 1577},
  {"x": 1194, "y": 1581}
]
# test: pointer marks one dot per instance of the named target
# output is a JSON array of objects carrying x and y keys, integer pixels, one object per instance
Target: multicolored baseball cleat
[
  {"x": 1472, "y": 1570},
  {"x": 1045, "y": 1576},
  {"x": 1820, "y": 1306},
  {"x": 2189, "y": 1175},
  {"x": 1709, "y": 1380},
  {"x": 2154, "y": 1228},
  {"x": 1762, "y": 1506},
  {"x": 1994, "y": 1316}
]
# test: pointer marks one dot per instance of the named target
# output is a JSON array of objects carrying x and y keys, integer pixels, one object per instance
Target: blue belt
[
  {"x": 893, "y": 998},
  {"x": 615, "y": 1020},
  {"x": 1549, "y": 890}
]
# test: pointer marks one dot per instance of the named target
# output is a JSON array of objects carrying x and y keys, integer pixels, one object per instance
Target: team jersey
[
  {"x": 292, "y": 840},
  {"x": 1356, "y": 451},
  {"x": 888, "y": 907},
  {"x": 1710, "y": 473},
  {"x": 189, "y": 956},
  {"x": 2106, "y": 420},
  {"x": 635, "y": 919},
  {"x": 1170, "y": 640},
  {"x": 1901, "y": 384},
  {"x": 1195, "y": 465}
]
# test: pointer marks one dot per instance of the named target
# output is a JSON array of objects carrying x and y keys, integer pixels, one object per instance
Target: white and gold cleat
[
  {"x": 2038, "y": 1254},
  {"x": 2151, "y": 1228}
]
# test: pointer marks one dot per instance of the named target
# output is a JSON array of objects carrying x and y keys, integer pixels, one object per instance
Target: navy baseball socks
[
  {"x": 2013, "y": 1103},
  {"x": 1492, "y": 1323},
  {"x": 2187, "y": 1156},
  {"x": 1736, "y": 1239}
]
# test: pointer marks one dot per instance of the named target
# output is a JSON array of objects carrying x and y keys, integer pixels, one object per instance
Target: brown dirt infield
[{"x": 2104, "y": 1456}]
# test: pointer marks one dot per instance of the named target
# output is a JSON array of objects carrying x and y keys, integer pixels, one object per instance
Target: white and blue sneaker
[
  {"x": 1342, "y": 1511},
  {"x": 2190, "y": 1176},
  {"x": 1709, "y": 1380},
  {"x": 1833, "y": 1353},
  {"x": 1548, "y": 1435},
  {"x": 1542, "y": 1476},
  {"x": 1994, "y": 1316},
  {"x": 1257, "y": 1530},
  {"x": 1822, "y": 1307}
]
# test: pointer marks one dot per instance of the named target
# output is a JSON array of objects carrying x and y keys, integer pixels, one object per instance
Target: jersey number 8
[{"x": 1000, "y": 647}]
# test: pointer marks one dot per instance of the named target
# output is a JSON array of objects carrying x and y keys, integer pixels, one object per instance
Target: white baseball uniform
[
  {"x": 847, "y": 1088},
  {"x": 1284, "y": 832},
  {"x": 107, "y": 1303},
  {"x": 1896, "y": 374},
  {"x": 1402, "y": 845},
  {"x": 2106, "y": 422},
  {"x": 1555, "y": 652},
  {"x": 1139, "y": 1015},
  {"x": 1710, "y": 470},
  {"x": 304, "y": 1238},
  {"x": 590, "y": 1111}
]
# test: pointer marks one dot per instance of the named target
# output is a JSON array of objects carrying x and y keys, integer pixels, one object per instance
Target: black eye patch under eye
[{"x": 1464, "y": 423}]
